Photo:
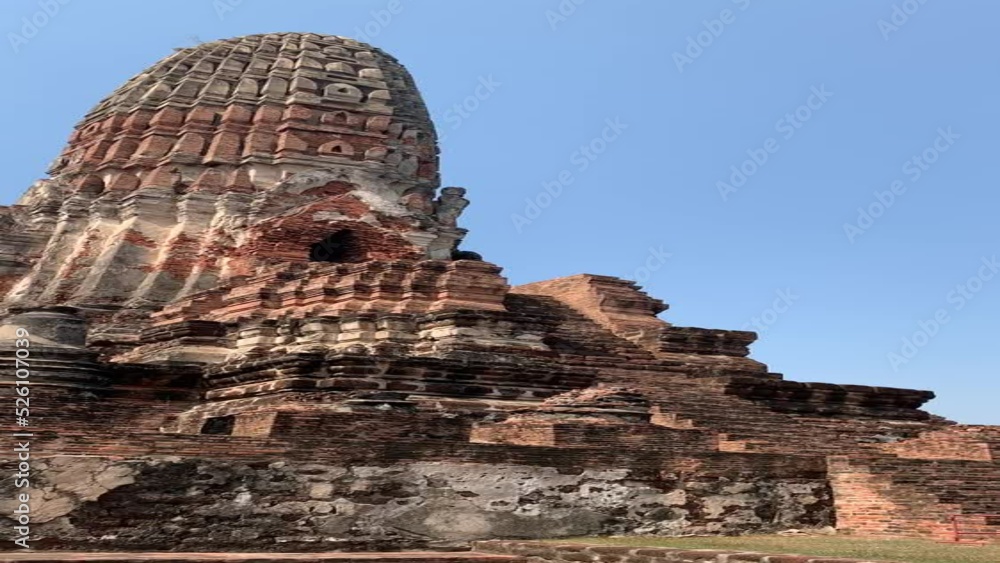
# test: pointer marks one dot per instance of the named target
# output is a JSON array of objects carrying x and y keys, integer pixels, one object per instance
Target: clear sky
[{"x": 717, "y": 150}]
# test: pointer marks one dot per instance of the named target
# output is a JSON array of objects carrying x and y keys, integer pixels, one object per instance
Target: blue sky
[{"x": 719, "y": 151}]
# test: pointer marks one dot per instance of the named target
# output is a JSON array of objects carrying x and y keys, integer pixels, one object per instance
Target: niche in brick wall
[
  {"x": 341, "y": 246},
  {"x": 219, "y": 425},
  {"x": 92, "y": 186}
]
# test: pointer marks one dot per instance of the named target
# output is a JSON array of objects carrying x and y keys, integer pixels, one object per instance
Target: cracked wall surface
[{"x": 102, "y": 502}]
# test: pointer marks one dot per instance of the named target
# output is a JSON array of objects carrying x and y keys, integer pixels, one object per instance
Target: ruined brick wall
[
  {"x": 620, "y": 308},
  {"x": 380, "y": 480},
  {"x": 886, "y": 496},
  {"x": 613, "y": 303},
  {"x": 454, "y": 417},
  {"x": 261, "y": 397},
  {"x": 975, "y": 443},
  {"x": 204, "y": 503}
]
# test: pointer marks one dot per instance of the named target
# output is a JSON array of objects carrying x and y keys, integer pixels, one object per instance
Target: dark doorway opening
[
  {"x": 219, "y": 425},
  {"x": 338, "y": 247}
]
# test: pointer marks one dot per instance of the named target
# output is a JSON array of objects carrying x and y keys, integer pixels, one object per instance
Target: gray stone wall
[{"x": 173, "y": 504}]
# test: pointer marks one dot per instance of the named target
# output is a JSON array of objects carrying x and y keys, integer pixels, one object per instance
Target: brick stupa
[{"x": 253, "y": 329}]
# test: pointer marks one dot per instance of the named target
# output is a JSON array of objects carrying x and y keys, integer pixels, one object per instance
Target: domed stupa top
[
  {"x": 275, "y": 104},
  {"x": 227, "y": 160}
]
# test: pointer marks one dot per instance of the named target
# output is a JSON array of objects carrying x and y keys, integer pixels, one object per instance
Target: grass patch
[{"x": 908, "y": 550}]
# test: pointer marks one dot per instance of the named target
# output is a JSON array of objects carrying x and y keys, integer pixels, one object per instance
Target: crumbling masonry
[{"x": 252, "y": 329}]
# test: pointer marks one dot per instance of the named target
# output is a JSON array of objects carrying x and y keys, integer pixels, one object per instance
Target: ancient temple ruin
[{"x": 252, "y": 328}]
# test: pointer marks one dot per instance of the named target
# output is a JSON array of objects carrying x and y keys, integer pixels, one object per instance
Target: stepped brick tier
[{"x": 251, "y": 329}]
